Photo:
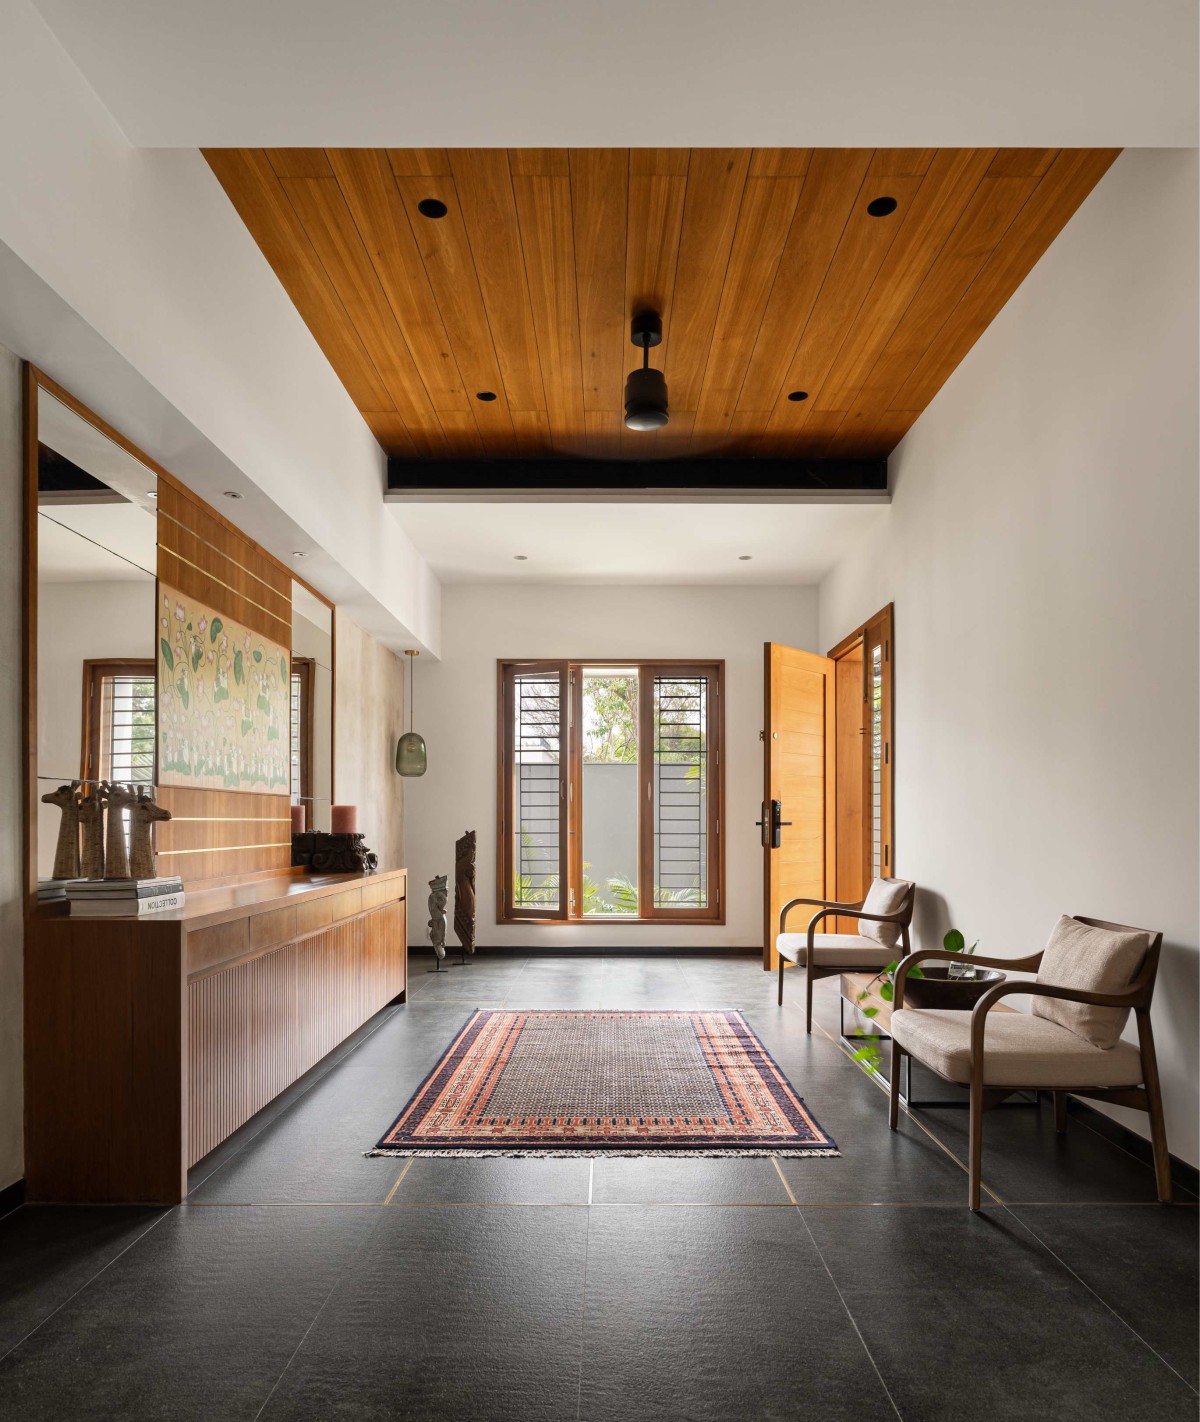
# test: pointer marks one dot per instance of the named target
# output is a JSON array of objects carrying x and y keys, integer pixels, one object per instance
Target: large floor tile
[
  {"x": 969, "y": 1318},
  {"x": 493, "y": 1181},
  {"x": 697, "y": 1313},
  {"x": 1141, "y": 1260},
  {"x": 449, "y": 1313},
  {"x": 622, "y": 1181},
  {"x": 49, "y": 1252},
  {"x": 196, "y": 1321}
]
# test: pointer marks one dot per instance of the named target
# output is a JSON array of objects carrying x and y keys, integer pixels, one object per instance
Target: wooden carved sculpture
[
  {"x": 464, "y": 891},
  {"x": 117, "y": 799},
  {"x": 66, "y": 851},
  {"x": 91, "y": 825},
  {"x": 437, "y": 915},
  {"x": 143, "y": 862}
]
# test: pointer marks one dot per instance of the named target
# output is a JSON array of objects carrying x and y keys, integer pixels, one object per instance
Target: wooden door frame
[{"x": 879, "y": 629}]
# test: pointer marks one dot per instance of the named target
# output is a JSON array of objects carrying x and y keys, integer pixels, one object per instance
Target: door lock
[{"x": 771, "y": 826}]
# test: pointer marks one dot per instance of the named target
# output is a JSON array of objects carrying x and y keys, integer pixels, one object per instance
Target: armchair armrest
[
  {"x": 828, "y": 904},
  {"x": 1134, "y": 997},
  {"x": 1027, "y": 964}
]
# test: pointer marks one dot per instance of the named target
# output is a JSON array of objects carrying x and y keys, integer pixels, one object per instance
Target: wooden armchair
[
  {"x": 1059, "y": 1047},
  {"x": 884, "y": 918}
]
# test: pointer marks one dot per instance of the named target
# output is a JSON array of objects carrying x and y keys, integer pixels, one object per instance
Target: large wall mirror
[
  {"x": 96, "y": 536},
  {"x": 94, "y": 525}
]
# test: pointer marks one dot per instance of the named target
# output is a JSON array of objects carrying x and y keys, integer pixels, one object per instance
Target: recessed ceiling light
[
  {"x": 485, "y": 395},
  {"x": 798, "y": 395},
  {"x": 431, "y": 207},
  {"x": 520, "y": 557},
  {"x": 882, "y": 207},
  {"x": 152, "y": 493},
  {"x": 299, "y": 555},
  {"x": 232, "y": 494},
  {"x": 745, "y": 557}
]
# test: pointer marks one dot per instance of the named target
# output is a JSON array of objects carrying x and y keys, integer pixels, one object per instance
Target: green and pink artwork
[{"x": 224, "y": 701}]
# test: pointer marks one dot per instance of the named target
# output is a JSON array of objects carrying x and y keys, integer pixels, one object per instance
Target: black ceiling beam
[{"x": 412, "y": 478}]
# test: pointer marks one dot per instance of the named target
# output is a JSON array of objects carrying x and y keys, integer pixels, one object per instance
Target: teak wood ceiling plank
[
  {"x": 765, "y": 218},
  {"x": 484, "y": 187},
  {"x": 368, "y": 186},
  {"x": 716, "y": 180},
  {"x": 547, "y": 241},
  {"x": 320, "y": 206},
  {"x": 951, "y": 178},
  {"x": 599, "y": 203},
  {"x": 657, "y": 188},
  {"x": 251, "y": 185},
  {"x": 823, "y": 214}
]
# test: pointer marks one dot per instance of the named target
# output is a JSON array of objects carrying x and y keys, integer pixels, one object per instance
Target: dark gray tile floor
[{"x": 305, "y": 1280}]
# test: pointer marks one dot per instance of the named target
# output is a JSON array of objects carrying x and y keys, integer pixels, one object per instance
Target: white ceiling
[
  {"x": 634, "y": 543},
  {"x": 175, "y": 73}
]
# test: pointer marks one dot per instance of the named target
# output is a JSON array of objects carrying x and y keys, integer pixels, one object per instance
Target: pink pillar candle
[
  {"x": 343, "y": 819},
  {"x": 299, "y": 819}
]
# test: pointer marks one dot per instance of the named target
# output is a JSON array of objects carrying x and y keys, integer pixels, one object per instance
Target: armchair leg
[
  {"x": 781, "y": 979},
  {"x": 808, "y": 987},
  {"x": 894, "y": 1087},
  {"x": 1060, "y": 1111},
  {"x": 1158, "y": 1125},
  {"x": 975, "y": 1148}
]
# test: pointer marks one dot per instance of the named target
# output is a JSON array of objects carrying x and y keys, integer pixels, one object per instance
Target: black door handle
[{"x": 775, "y": 824}]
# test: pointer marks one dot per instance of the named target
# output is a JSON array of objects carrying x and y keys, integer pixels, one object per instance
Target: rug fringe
[{"x": 582, "y": 1153}]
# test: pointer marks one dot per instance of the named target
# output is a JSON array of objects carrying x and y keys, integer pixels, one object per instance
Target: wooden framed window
[
  {"x": 118, "y": 721},
  {"x": 609, "y": 791},
  {"x": 302, "y": 730}
]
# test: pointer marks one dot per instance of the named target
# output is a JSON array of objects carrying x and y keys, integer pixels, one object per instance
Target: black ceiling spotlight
[
  {"x": 431, "y": 207},
  {"x": 797, "y": 395},
  {"x": 882, "y": 206},
  {"x": 487, "y": 396},
  {"x": 646, "y": 389}
]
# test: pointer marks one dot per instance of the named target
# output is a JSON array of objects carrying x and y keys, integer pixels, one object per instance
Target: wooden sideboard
[{"x": 149, "y": 1041}]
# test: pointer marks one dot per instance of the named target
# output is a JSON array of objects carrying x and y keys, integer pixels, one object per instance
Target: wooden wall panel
[
  {"x": 255, "y": 1028},
  {"x": 217, "y": 833},
  {"x": 766, "y": 265}
]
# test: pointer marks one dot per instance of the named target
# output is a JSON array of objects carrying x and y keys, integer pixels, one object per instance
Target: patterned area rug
[{"x": 558, "y": 1083}]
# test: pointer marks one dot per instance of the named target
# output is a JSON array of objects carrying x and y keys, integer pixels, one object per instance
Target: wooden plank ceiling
[{"x": 769, "y": 271}]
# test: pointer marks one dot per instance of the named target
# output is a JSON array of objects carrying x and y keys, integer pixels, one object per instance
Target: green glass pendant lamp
[{"x": 411, "y": 756}]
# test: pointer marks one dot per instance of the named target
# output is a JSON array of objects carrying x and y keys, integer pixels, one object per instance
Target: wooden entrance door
[{"x": 798, "y": 820}]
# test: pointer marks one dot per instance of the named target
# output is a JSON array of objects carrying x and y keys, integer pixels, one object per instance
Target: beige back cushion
[
  {"x": 1095, "y": 960},
  {"x": 885, "y": 896}
]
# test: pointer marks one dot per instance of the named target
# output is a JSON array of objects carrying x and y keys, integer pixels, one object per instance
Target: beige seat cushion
[
  {"x": 1094, "y": 960},
  {"x": 834, "y": 950},
  {"x": 884, "y": 896},
  {"x": 1019, "y": 1050}
]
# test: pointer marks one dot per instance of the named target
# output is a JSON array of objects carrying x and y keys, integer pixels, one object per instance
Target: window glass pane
[
  {"x": 680, "y": 720},
  {"x": 537, "y": 776},
  {"x": 127, "y": 734},
  {"x": 610, "y": 791},
  {"x": 297, "y": 728}
]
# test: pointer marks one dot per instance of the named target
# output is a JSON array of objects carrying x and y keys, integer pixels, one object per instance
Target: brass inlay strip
[
  {"x": 221, "y": 583},
  {"x": 403, "y": 1173},
  {"x": 227, "y": 848},
  {"x": 220, "y": 552}
]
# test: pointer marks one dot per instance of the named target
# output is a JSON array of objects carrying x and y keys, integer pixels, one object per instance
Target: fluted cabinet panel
[{"x": 257, "y": 1026}]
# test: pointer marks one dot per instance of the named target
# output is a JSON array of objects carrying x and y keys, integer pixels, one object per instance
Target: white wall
[
  {"x": 12, "y": 805},
  {"x": 1041, "y": 550},
  {"x": 78, "y": 622},
  {"x": 455, "y": 704}
]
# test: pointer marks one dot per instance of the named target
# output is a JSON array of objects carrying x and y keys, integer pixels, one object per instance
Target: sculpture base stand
[{"x": 438, "y": 968}]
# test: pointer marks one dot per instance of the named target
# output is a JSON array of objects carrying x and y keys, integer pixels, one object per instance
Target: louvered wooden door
[{"x": 798, "y": 821}]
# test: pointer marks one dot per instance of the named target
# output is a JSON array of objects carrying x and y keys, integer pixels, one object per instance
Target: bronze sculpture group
[
  {"x": 85, "y": 851},
  {"x": 464, "y": 903}
]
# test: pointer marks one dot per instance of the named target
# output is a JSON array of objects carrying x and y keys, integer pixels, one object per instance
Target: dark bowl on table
[{"x": 938, "y": 989}]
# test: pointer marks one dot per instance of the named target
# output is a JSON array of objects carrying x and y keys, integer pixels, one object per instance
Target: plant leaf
[
  {"x": 168, "y": 654},
  {"x": 887, "y": 992},
  {"x": 214, "y": 627},
  {"x": 954, "y": 942},
  {"x": 915, "y": 973},
  {"x": 870, "y": 1012},
  {"x": 239, "y": 674},
  {"x": 257, "y": 655}
]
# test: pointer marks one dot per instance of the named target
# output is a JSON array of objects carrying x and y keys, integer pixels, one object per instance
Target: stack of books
[
  {"x": 122, "y": 898},
  {"x": 51, "y": 890}
]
